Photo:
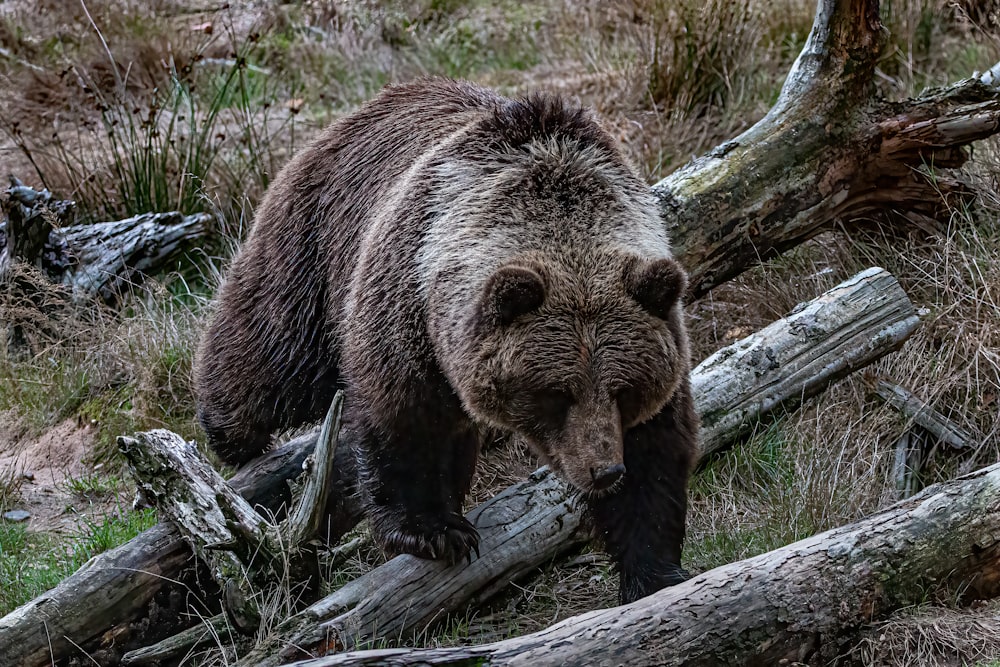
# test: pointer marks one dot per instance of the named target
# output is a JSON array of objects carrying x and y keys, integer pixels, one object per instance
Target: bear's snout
[{"x": 605, "y": 478}]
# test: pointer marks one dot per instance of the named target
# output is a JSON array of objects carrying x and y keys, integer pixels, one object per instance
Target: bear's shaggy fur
[{"x": 460, "y": 263}]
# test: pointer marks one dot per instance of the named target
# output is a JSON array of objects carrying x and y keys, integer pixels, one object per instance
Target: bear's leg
[
  {"x": 240, "y": 411},
  {"x": 414, "y": 477},
  {"x": 642, "y": 522}
]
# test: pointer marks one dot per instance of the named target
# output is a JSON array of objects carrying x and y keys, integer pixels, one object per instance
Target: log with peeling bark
[
  {"x": 531, "y": 523},
  {"x": 85, "y": 616},
  {"x": 800, "y": 604},
  {"x": 811, "y": 346},
  {"x": 242, "y": 548},
  {"x": 103, "y": 609}
]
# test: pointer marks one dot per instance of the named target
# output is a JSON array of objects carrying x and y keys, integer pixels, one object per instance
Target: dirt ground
[{"x": 46, "y": 466}]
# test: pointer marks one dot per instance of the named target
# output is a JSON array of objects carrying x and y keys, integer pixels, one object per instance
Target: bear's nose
[{"x": 605, "y": 477}]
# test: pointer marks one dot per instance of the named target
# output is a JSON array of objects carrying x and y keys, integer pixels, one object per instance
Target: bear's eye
[
  {"x": 551, "y": 406},
  {"x": 630, "y": 404}
]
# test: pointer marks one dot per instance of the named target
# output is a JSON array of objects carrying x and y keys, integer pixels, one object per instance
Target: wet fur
[{"x": 461, "y": 262}]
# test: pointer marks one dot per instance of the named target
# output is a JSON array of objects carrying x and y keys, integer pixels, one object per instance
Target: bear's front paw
[
  {"x": 640, "y": 582},
  {"x": 448, "y": 537}
]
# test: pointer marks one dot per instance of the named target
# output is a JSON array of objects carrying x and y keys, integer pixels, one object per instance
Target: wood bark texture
[
  {"x": 208, "y": 512},
  {"x": 799, "y": 604},
  {"x": 818, "y": 342},
  {"x": 110, "y": 257},
  {"x": 243, "y": 550},
  {"x": 529, "y": 524},
  {"x": 105, "y": 608}
]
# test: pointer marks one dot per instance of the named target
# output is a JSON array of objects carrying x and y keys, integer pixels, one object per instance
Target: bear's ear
[
  {"x": 657, "y": 285},
  {"x": 511, "y": 291}
]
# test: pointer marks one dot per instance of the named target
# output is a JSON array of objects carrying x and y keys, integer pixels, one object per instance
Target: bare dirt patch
[{"x": 47, "y": 464}]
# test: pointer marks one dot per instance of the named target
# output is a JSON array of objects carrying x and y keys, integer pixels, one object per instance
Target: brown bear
[{"x": 462, "y": 263}]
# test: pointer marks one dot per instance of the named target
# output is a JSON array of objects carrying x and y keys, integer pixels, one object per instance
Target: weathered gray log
[
  {"x": 305, "y": 521},
  {"x": 185, "y": 488},
  {"x": 28, "y": 219},
  {"x": 529, "y": 524},
  {"x": 943, "y": 429},
  {"x": 915, "y": 446},
  {"x": 101, "y": 259},
  {"x": 798, "y": 604},
  {"x": 827, "y": 153},
  {"x": 109, "y": 257},
  {"x": 520, "y": 529},
  {"x": 818, "y": 342},
  {"x": 241, "y": 548},
  {"x": 208, "y": 633}
]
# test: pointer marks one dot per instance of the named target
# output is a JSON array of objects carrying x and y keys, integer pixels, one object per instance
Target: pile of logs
[{"x": 827, "y": 155}]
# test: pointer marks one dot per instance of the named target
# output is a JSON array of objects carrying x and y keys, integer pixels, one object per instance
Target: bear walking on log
[{"x": 462, "y": 263}]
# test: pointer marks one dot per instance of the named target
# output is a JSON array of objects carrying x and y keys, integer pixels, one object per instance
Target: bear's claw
[{"x": 449, "y": 537}]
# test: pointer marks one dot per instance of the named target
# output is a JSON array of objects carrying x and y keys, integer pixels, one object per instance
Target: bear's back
[{"x": 317, "y": 209}]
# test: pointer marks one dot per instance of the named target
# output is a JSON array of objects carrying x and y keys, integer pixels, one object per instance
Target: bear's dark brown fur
[{"x": 460, "y": 263}]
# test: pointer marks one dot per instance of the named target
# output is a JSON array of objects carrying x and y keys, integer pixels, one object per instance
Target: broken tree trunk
[
  {"x": 798, "y": 604},
  {"x": 243, "y": 549},
  {"x": 103, "y": 609},
  {"x": 110, "y": 257},
  {"x": 920, "y": 440},
  {"x": 827, "y": 153},
  {"x": 531, "y": 523},
  {"x": 102, "y": 259},
  {"x": 77, "y": 612}
]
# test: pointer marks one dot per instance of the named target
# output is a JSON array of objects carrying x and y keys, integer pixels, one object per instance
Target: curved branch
[{"x": 828, "y": 152}]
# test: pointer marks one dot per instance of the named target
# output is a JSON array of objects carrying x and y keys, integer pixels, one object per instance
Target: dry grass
[
  {"x": 121, "y": 371},
  {"x": 935, "y": 636},
  {"x": 206, "y": 103}
]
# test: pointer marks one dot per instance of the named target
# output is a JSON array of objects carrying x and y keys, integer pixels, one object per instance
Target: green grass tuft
[{"x": 32, "y": 564}]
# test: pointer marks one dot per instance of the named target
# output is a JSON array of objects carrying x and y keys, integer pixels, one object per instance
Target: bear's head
[{"x": 571, "y": 357}]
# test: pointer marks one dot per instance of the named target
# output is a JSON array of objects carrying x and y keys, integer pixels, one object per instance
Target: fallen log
[
  {"x": 827, "y": 155},
  {"x": 533, "y": 522},
  {"x": 800, "y": 604},
  {"x": 29, "y": 217},
  {"x": 928, "y": 429},
  {"x": 77, "y": 612},
  {"x": 100, "y": 611},
  {"x": 101, "y": 259},
  {"x": 943, "y": 430},
  {"x": 812, "y": 347},
  {"x": 108, "y": 258}
]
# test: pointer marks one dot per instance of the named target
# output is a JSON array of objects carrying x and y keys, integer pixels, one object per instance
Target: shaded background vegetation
[{"x": 128, "y": 106}]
